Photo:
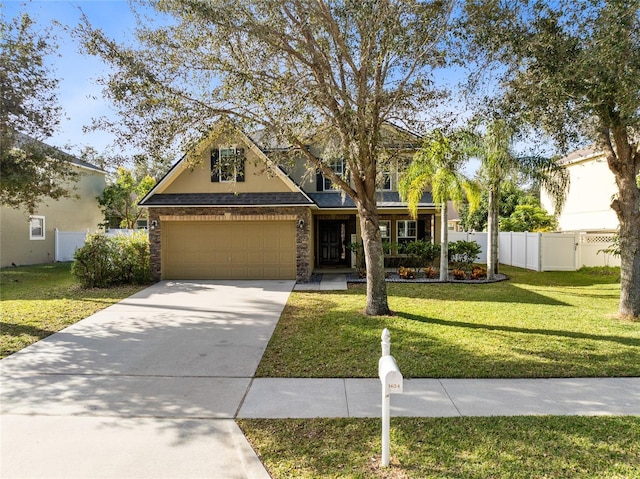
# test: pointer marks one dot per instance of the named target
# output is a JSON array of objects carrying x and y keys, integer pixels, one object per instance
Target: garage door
[{"x": 228, "y": 250}]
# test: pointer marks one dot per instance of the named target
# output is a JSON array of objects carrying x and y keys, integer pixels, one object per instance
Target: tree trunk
[
  {"x": 630, "y": 267},
  {"x": 623, "y": 163},
  {"x": 444, "y": 243},
  {"x": 492, "y": 235},
  {"x": 374, "y": 259}
]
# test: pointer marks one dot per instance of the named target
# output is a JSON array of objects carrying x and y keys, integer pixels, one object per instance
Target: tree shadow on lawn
[
  {"x": 495, "y": 293},
  {"x": 10, "y": 329},
  {"x": 626, "y": 341}
]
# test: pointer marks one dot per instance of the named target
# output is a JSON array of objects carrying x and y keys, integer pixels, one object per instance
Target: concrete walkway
[
  {"x": 328, "y": 282},
  {"x": 308, "y": 398},
  {"x": 146, "y": 388}
]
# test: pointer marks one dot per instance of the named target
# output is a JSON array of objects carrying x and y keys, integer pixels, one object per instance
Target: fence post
[{"x": 56, "y": 245}]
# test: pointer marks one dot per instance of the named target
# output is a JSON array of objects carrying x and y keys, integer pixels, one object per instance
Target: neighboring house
[
  {"x": 258, "y": 221},
  {"x": 592, "y": 186},
  {"x": 453, "y": 218},
  {"x": 30, "y": 239}
]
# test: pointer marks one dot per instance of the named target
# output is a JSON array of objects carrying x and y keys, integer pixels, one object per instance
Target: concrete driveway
[{"x": 145, "y": 388}]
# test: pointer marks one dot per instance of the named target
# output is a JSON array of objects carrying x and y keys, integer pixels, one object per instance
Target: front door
[{"x": 333, "y": 242}]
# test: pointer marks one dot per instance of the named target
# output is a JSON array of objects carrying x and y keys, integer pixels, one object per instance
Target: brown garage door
[{"x": 228, "y": 250}]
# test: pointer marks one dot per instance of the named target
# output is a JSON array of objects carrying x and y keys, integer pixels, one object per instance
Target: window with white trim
[
  {"x": 385, "y": 233},
  {"x": 227, "y": 164},
  {"x": 385, "y": 230},
  {"x": 407, "y": 230},
  {"x": 338, "y": 167},
  {"x": 36, "y": 228}
]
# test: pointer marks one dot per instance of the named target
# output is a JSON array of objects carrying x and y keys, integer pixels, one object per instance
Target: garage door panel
[{"x": 229, "y": 250}]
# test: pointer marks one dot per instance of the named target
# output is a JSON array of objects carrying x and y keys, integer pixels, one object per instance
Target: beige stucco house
[
  {"x": 260, "y": 220},
  {"x": 30, "y": 239},
  {"x": 592, "y": 185}
]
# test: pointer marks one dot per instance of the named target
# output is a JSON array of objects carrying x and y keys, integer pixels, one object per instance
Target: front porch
[{"x": 334, "y": 235}]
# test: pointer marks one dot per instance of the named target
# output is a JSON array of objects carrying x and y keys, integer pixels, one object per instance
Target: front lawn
[
  {"x": 559, "y": 324},
  {"x": 37, "y": 301},
  {"x": 465, "y": 448}
]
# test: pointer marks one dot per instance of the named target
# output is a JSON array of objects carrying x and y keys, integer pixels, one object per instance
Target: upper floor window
[
  {"x": 338, "y": 167},
  {"x": 36, "y": 228},
  {"x": 387, "y": 177},
  {"x": 227, "y": 164}
]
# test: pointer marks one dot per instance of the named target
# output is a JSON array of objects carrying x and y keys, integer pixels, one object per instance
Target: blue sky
[{"x": 78, "y": 93}]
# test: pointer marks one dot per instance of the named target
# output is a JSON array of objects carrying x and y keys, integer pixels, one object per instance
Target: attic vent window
[{"x": 227, "y": 164}]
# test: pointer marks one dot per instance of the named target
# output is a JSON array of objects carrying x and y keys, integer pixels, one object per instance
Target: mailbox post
[{"x": 391, "y": 380}]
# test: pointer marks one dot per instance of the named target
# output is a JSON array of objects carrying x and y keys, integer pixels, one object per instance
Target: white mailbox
[{"x": 390, "y": 375}]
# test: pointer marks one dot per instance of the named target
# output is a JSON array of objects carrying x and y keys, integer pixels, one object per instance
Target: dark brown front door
[{"x": 333, "y": 242}]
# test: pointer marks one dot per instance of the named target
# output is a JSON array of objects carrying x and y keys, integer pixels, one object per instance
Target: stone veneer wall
[{"x": 302, "y": 217}]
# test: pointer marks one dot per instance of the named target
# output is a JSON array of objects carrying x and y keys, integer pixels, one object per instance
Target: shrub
[
  {"x": 430, "y": 272},
  {"x": 105, "y": 261},
  {"x": 94, "y": 264},
  {"x": 420, "y": 253},
  {"x": 458, "y": 274},
  {"x": 406, "y": 273},
  {"x": 463, "y": 253},
  {"x": 478, "y": 272}
]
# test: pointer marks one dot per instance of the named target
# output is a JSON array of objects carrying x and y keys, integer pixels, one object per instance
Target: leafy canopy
[
  {"x": 529, "y": 218},
  {"x": 119, "y": 199},
  {"x": 30, "y": 171},
  {"x": 437, "y": 165}
]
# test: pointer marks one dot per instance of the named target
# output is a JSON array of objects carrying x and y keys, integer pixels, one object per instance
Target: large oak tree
[
  {"x": 333, "y": 69},
  {"x": 572, "y": 69}
]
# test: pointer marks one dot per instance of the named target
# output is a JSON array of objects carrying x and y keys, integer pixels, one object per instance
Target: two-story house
[
  {"x": 592, "y": 187},
  {"x": 237, "y": 214},
  {"x": 30, "y": 238}
]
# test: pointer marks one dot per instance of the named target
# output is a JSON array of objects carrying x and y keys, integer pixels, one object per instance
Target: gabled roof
[
  {"x": 22, "y": 139},
  {"x": 580, "y": 155},
  {"x": 404, "y": 138},
  {"x": 297, "y": 196}
]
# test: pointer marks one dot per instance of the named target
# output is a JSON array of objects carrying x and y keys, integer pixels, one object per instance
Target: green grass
[
  {"x": 37, "y": 301},
  {"x": 469, "y": 448},
  {"x": 557, "y": 324}
]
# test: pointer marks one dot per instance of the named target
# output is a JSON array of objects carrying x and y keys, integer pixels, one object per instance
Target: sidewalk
[
  {"x": 328, "y": 282},
  {"x": 308, "y": 398}
]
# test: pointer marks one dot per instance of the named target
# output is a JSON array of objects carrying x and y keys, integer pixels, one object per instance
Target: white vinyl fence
[
  {"x": 546, "y": 251},
  {"x": 67, "y": 242}
]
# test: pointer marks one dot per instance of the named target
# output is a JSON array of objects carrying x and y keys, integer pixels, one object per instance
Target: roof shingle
[{"x": 227, "y": 199}]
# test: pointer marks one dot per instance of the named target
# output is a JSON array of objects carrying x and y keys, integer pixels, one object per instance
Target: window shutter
[
  {"x": 319, "y": 181},
  {"x": 240, "y": 164},
  {"x": 215, "y": 168}
]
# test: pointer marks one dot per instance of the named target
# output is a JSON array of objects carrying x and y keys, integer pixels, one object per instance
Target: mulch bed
[{"x": 394, "y": 278}]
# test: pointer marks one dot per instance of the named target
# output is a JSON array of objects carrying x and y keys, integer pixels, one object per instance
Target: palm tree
[
  {"x": 498, "y": 164},
  {"x": 438, "y": 164}
]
